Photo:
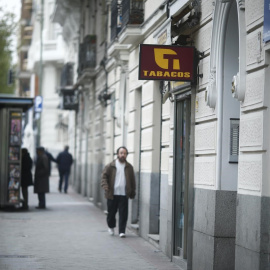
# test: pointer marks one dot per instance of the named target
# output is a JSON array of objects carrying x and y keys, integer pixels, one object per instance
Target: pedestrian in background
[
  {"x": 64, "y": 160},
  {"x": 26, "y": 176},
  {"x": 118, "y": 181},
  {"x": 41, "y": 185}
]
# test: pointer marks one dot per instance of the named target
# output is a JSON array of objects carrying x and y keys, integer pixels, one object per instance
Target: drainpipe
[
  {"x": 220, "y": 86},
  {"x": 40, "y": 67}
]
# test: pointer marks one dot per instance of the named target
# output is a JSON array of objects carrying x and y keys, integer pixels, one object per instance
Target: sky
[{"x": 15, "y": 7}]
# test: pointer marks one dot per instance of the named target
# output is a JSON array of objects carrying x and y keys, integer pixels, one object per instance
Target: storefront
[{"x": 11, "y": 120}]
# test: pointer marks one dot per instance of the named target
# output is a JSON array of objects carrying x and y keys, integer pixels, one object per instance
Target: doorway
[{"x": 181, "y": 175}]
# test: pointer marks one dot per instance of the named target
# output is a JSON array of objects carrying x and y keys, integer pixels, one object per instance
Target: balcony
[
  {"x": 132, "y": 12},
  {"x": 24, "y": 64},
  {"x": 27, "y": 5},
  {"x": 27, "y": 32},
  {"x": 87, "y": 55},
  {"x": 126, "y": 12},
  {"x": 67, "y": 75},
  {"x": 26, "y": 39},
  {"x": 52, "y": 51}
]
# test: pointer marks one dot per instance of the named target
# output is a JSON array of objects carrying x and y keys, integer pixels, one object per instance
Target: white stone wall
[
  {"x": 52, "y": 57},
  {"x": 254, "y": 154},
  {"x": 104, "y": 131},
  {"x": 205, "y": 117},
  {"x": 50, "y": 114},
  {"x": 150, "y": 6}
]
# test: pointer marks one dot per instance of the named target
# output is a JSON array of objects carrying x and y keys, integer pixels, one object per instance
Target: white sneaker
[
  {"x": 111, "y": 231},
  {"x": 122, "y": 235}
]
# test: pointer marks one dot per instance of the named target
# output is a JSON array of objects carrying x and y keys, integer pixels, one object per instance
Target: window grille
[{"x": 234, "y": 140}]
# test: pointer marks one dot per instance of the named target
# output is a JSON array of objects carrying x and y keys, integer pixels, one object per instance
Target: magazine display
[{"x": 14, "y": 157}]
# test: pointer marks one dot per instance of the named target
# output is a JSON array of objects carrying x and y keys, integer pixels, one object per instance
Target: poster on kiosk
[
  {"x": 14, "y": 157},
  {"x": 11, "y": 126},
  {"x": 10, "y": 156}
]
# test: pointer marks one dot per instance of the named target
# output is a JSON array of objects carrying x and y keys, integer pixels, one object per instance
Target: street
[{"x": 70, "y": 234}]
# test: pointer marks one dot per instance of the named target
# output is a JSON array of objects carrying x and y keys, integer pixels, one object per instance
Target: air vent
[{"x": 234, "y": 140}]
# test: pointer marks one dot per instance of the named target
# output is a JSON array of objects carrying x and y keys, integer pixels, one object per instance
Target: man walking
[
  {"x": 64, "y": 160},
  {"x": 118, "y": 181},
  {"x": 41, "y": 185}
]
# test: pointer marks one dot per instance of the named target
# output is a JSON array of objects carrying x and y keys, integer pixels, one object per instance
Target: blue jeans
[{"x": 64, "y": 175}]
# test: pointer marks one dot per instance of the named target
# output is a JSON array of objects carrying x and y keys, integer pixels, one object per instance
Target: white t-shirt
[{"x": 120, "y": 179}]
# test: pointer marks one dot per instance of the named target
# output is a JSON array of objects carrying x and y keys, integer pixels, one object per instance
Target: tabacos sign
[{"x": 169, "y": 63}]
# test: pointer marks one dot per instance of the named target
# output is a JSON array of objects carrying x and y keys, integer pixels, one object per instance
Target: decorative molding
[
  {"x": 120, "y": 54},
  {"x": 217, "y": 37},
  {"x": 63, "y": 10},
  {"x": 241, "y": 4},
  {"x": 121, "y": 63},
  {"x": 241, "y": 87},
  {"x": 235, "y": 86},
  {"x": 212, "y": 90},
  {"x": 220, "y": 14}
]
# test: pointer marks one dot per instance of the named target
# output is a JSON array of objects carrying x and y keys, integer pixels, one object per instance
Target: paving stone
[{"x": 70, "y": 234}]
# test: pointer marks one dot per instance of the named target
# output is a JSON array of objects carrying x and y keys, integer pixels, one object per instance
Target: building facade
[
  {"x": 46, "y": 59},
  {"x": 199, "y": 150}
]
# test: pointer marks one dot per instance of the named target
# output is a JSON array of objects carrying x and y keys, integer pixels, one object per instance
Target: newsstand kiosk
[{"x": 11, "y": 114}]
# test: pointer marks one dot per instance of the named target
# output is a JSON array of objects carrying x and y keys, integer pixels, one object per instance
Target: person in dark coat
[
  {"x": 64, "y": 160},
  {"x": 50, "y": 158},
  {"x": 41, "y": 185},
  {"x": 26, "y": 176}
]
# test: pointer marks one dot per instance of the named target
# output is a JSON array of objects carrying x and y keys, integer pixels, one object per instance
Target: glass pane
[{"x": 181, "y": 159}]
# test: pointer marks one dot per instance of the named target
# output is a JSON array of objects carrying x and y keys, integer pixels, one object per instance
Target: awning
[{"x": 16, "y": 102}]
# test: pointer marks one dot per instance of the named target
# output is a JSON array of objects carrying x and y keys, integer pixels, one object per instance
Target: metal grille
[
  {"x": 87, "y": 53},
  {"x": 125, "y": 12},
  {"x": 67, "y": 75},
  {"x": 234, "y": 140},
  {"x": 90, "y": 51},
  {"x": 133, "y": 12},
  {"x": 115, "y": 19}
]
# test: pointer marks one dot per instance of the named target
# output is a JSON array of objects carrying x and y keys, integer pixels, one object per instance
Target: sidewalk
[{"x": 70, "y": 234}]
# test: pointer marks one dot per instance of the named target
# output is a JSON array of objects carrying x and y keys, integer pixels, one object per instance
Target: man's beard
[{"x": 122, "y": 159}]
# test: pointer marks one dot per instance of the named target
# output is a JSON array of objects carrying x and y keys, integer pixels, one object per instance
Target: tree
[{"x": 7, "y": 30}]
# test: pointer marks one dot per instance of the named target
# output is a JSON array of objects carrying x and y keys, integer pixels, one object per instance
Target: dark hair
[
  {"x": 117, "y": 151},
  {"x": 40, "y": 148}
]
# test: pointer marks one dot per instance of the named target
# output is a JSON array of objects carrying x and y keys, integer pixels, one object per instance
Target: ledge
[
  {"x": 154, "y": 239},
  {"x": 86, "y": 77}
]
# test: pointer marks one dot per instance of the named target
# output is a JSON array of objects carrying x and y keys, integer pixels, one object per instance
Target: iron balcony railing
[
  {"x": 67, "y": 75},
  {"x": 125, "y": 12},
  {"x": 87, "y": 53}
]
